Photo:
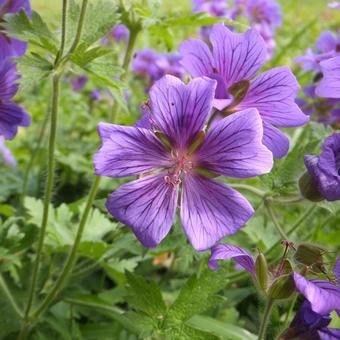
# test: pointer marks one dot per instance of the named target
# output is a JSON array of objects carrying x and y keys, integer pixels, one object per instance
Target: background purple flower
[
  {"x": 155, "y": 65},
  {"x": 213, "y": 7},
  {"x": 209, "y": 209},
  {"x": 118, "y": 33},
  {"x": 11, "y": 47},
  {"x": 329, "y": 86},
  {"x": 325, "y": 169},
  {"x": 78, "y": 83},
  {"x": 233, "y": 61},
  {"x": 11, "y": 114},
  {"x": 7, "y": 155}
]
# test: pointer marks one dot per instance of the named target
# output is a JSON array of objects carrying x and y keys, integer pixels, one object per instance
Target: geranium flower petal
[
  {"x": 228, "y": 251},
  {"x": 196, "y": 58},
  {"x": 147, "y": 205},
  {"x": 329, "y": 86},
  {"x": 323, "y": 296},
  {"x": 238, "y": 56},
  {"x": 273, "y": 94},
  {"x": 275, "y": 140},
  {"x": 127, "y": 151},
  {"x": 180, "y": 111},
  {"x": 233, "y": 147},
  {"x": 8, "y": 76},
  {"x": 211, "y": 210},
  {"x": 12, "y": 116}
]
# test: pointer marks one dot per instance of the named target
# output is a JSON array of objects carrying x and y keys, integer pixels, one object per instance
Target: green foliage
[{"x": 34, "y": 30}]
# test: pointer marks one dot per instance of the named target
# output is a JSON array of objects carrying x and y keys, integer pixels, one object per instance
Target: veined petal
[
  {"x": 275, "y": 140},
  {"x": 329, "y": 86},
  {"x": 8, "y": 76},
  {"x": 228, "y": 251},
  {"x": 211, "y": 210},
  {"x": 147, "y": 205},
  {"x": 12, "y": 116},
  {"x": 180, "y": 111},
  {"x": 329, "y": 334},
  {"x": 273, "y": 93},
  {"x": 128, "y": 151},
  {"x": 323, "y": 296},
  {"x": 196, "y": 58},
  {"x": 238, "y": 56},
  {"x": 233, "y": 147}
]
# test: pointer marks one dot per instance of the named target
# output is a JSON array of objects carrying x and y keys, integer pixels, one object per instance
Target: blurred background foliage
[{"x": 119, "y": 290}]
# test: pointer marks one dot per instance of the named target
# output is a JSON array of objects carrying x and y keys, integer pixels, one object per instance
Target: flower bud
[
  {"x": 309, "y": 188},
  {"x": 308, "y": 254},
  {"x": 287, "y": 267},
  {"x": 282, "y": 288},
  {"x": 261, "y": 269}
]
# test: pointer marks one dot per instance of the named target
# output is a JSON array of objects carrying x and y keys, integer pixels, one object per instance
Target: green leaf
[
  {"x": 145, "y": 296},
  {"x": 34, "y": 31},
  {"x": 198, "y": 295},
  {"x": 100, "y": 18},
  {"x": 32, "y": 69},
  {"x": 221, "y": 329},
  {"x": 188, "y": 333}
]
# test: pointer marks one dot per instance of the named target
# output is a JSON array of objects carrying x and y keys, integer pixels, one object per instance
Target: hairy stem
[
  {"x": 72, "y": 256},
  {"x": 271, "y": 214},
  {"x": 249, "y": 188},
  {"x": 48, "y": 188},
  {"x": 265, "y": 319},
  {"x": 9, "y": 297}
]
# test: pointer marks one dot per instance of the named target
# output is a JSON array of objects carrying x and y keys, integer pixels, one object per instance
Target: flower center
[{"x": 182, "y": 164}]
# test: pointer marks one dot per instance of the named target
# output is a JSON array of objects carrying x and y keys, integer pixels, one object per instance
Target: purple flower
[
  {"x": 153, "y": 65},
  {"x": 325, "y": 169},
  {"x": 329, "y": 86},
  {"x": 175, "y": 154},
  {"x": 118, "y": 33},
  {"x": 228, "y": 251},
  {"x": 11, "y": 47},
  {"x": 11, "y": 114},
  {"x": 95, "y": 95},
  {"x": 308, "y": 325},
  {"x": 233, "y": 62},
  {"x": 7, "y": 154},
  {"x": 327, "y": 46},
  {"x": 334, "y": 5},
  {"x": 215, "y": 8},
  {"x": 78, "y": 83}
]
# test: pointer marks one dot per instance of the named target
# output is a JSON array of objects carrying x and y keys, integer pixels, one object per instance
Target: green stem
[
  {"x": 32, "y": 160},
  {"x": 276, "y": 222},
  {"x": 289, "y": 200},
  {"x": 63, "y": 33},
  {"x": 265, "y": 319},
  {"x": 72, "y": 255},
  {"x": 70, "y": 261},
  {"x": 9, "y": 297},
  {"x": 253, "y": 190},
  {"x": 48, "y": 189}
]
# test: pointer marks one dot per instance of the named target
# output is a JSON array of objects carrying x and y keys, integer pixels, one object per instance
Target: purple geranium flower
[
  {"x": 11, "y": 114},
  {"x": 325, "y": 169},
  {"x": 215, "y": 8},
  {"x": 118, "y": 33},
  {"x": 233, "y": 62},
  {"x": 175, "y": 154},
  {"x": 11, "y": 47},
  {"x": 78, "y": 83},
  {"x": 329, "y": 86},
  {"x": 154, "y": 65},
  {"x": 7, "y": 154}
]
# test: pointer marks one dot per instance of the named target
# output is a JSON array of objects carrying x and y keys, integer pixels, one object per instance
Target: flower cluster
[
  {"x": 153, "y": 66},
  {"x": 321, "y": 297},
  {"x": 11, "y": 114},
  {"x": 323, "y": 64},
  {"x": 263, "y": 15},
  {"x": 233, "y": 60}
]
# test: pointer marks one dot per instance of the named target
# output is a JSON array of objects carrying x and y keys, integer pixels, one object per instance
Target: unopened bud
[
  {"x": 309, "y": 188},
  {"x": 282, "y": 288},
  {"x": 261, "y": 269},
  {"x": 287, "y": 267},
  {"x": 309, "y": 255}
]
